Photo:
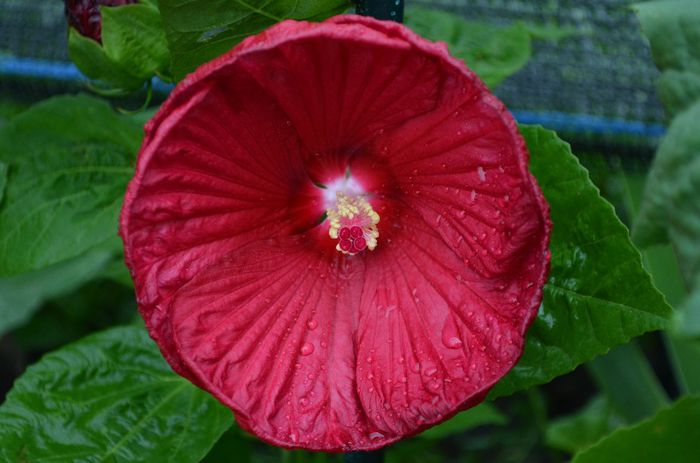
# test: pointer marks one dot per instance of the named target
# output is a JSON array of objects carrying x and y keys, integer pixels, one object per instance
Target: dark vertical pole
[
  {"x": 391, "y": 10},
  {"x": 381, "y": 9}
]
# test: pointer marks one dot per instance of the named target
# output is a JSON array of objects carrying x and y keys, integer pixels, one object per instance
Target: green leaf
[
  {"x": 463, "y": 421},
  {"x": 671, "y": 435},
  {"x": 70, "y": 159},
  {"x": 200, "y": 30},
  {"x": 232, "y": 447},
  {"x": 670, "y": 209},
  {"x": 493, "y": 52},
  {"x": 662, "y": 264},
  {"x": 92, "y": 61},
  {"x": 583, "y": 428},
  {"x": 629, "y": 383},
  {"x": 3, "y": 180},
  {"x": 673, "y": 30},
  {"x": 109, "y": 397},
  {"x": 678, "y": 89},
  {"x": 21, "y": 295},
  {"x": 133, "y": 37},
  {"x": 598, "y": 295}
]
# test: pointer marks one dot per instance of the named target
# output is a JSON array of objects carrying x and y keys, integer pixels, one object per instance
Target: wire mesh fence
[{"x": 597, "y": 84}]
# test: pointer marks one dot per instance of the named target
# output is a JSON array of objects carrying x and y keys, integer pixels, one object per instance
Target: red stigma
[{"x": 352, "y": 239}]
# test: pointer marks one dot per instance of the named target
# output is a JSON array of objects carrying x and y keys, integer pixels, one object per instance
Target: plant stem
[{"x": 381, "y": 9}]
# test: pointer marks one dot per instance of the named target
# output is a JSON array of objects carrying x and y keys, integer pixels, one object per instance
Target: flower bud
[{"x": 84, "y": 15}]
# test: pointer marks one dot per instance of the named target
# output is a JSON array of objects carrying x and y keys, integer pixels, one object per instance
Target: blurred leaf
[
  {"x": 671, "y": 177},
  {"x": 116, "y": 270},
  {"x": 3, "y": 180},
  {"x": 21, "y": 295},
  {"x": 673, "y": 30},
  {"x": 133, "y": 36},
  {"x": 413, "y": 451},
  {"x": 685, "y": 358},
  {"x": 108, "y": 397},
  {"x": 583, "y": 428},
  {"x": 200, "y": 30},
  {"x": 493, "y": 52},
  {"x": 629, "y": 383},
  {"x": 232, "y": 447},
  {"x": 69, "y": 159},
  {"x": 598, "y": 295},
  {"x": 92, "y": 61},
  {"x": 678, "y": 89},
  {"x": 670, "y": 209},
  {"x": 671, "y": 435},
  {"x": 662, "y": 264},
  {"x": 478, "y": 416},
  {"x": 97, "y": 305},
  {"x": 550, "y": 31}
]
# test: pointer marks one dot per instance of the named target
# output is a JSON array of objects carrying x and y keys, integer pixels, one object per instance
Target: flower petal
[
  {"x": 434, "y": 334},
  {"x": 270, "y": 332},
  {"x": 207, "y": 182}
]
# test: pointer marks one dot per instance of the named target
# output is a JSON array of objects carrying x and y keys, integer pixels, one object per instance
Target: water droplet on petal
[
  {"x": 430, "y": 371},
  {"x": 376, "y": 435},
  {"x": 307, "y": 349},
  {"x": 481, "y": 173},
  {"x": 453, "y": 343},
  {"x": 312, "y": 324}
]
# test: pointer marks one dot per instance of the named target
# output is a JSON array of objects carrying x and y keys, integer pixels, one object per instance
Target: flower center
[{"x": 353, "y": 223}]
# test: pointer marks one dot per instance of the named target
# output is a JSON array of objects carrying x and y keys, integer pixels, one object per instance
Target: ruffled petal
[
  {"x": 216, "y": 171},
  {"x": 434, "y": 334},
  {"x": 270, "y": 331}
]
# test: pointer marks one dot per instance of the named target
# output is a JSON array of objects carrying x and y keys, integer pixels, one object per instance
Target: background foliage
[{"x": 110, "y": 396}]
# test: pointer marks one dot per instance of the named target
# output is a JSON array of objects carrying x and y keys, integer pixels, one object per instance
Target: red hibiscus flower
[
  {"x": 84, "y": 15},
  {"x": 332, "y": 228}
]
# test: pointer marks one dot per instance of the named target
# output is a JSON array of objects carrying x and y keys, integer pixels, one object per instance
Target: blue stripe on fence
[{"x": 580, "y": 123}]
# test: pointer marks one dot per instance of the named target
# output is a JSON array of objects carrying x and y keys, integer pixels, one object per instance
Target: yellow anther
[{"x": 353, "y": 223}]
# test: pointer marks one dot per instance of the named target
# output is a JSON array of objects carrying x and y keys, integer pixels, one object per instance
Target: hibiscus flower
[{"x": 332, "y": 228}]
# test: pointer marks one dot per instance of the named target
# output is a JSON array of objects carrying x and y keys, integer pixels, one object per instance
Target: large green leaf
[
  {"x": 493, "y": 52},
  {"x": 108, "y": 398},
  {"x": 598, "y": 295},
  {"x": 70, "y": 159},
  {"x": 21, "y": 295},
  {"x": 673, "y": 29},
  {"x": 671, "y": 435},
  {"x": 200, "y": 30}
]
